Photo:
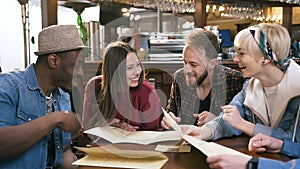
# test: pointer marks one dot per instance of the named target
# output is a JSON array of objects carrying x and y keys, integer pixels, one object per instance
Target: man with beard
[{"x": 202, "y": 86}]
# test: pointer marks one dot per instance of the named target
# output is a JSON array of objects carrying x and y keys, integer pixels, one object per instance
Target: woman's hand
[
  {"x": 125, "y": 126},
  {"x": 232, "y": 116},
  {"x": 203, "y": 133}
]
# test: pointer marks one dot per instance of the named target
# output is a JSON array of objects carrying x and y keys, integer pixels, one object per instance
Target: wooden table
[{"x": 196, "y": 159}]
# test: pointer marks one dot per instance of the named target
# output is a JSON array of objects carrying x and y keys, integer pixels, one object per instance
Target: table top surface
[{"x": 196, "y": 159}]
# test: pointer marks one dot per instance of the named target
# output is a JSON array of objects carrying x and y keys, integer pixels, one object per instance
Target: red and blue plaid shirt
[{"x": 184, "y": 101}]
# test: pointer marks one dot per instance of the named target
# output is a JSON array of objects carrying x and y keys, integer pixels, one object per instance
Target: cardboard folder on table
[{"x": 109, "y": 156}]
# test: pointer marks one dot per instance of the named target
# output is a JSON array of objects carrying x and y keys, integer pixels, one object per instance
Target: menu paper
[
  {"x": 207, "y": 148},
  {"x": 117, "y": 135},
  {"x": 120, "y": 158}
]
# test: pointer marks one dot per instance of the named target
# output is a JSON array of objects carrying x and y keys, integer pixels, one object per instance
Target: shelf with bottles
[{"x": 294, "y": 49}]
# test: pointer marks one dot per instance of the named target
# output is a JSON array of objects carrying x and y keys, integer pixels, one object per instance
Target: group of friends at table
[{"x": 208, "y": 100}]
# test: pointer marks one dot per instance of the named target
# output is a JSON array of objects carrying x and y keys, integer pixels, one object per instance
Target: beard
[
  {"x": 65, "y": 85},
  {"x": 202, "y": 78},
  {"x": 198, "y": 81}
]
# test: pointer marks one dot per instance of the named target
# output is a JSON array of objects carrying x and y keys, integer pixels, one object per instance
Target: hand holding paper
[
  {"x": 166, "y": 125},
  {"x": 208, "y": 148}
]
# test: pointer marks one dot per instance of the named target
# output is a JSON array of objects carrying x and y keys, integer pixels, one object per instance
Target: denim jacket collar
[
  {"x": 31, "y": 78},
  {"x": 33, "y": 83}
]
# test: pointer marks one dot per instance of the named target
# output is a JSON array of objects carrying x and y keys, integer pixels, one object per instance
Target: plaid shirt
[{"x": 184, "y": 101}]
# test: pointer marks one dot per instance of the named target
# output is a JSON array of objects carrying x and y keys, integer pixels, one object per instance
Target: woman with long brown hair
[{"x": 121, "y": 96}]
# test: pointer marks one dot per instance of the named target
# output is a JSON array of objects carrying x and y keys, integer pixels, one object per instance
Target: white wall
[{"x": 11, "y": 31}]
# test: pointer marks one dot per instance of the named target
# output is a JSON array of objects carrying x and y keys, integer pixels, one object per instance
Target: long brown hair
[{"x": 114, "y": 87}]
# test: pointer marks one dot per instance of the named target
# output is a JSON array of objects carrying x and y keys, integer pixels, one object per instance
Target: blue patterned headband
[{"x": 264, "y": 45}]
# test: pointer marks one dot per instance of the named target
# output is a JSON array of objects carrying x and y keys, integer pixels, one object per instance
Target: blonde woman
[{"x": 269, "y": 101}]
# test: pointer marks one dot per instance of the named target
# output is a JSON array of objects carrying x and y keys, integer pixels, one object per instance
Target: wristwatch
[{"x": 252, "y": 163}]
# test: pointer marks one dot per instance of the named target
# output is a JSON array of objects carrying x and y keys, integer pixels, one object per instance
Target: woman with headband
[{"x": 269, "y": 101}]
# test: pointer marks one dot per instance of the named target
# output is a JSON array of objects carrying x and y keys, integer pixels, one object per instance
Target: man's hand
[
  {"x": 204, "y": 117},
  {"x": 68, "y": 122},
  {"x": 165, "y": 124},
  {"x": 68, "y": 158},
  {"x": 264, "y": 143}
]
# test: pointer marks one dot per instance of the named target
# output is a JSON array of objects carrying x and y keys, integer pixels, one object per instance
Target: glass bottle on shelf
[
  {"x": 82, "y": 29},
  {"x": 83, "y": 35}
]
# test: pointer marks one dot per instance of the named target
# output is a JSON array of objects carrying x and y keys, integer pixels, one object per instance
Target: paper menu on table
[
  {"x": 211, "y": 148},
  {"x": 117, "y": 135},
  {"x": 207, "y": 148},
  {"x": 120, "y": 158}
]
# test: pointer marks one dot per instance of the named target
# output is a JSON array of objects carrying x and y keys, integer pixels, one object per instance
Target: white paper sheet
[
  {"x": 117, "y": 135},
  {"x": 207, "y": 148}
]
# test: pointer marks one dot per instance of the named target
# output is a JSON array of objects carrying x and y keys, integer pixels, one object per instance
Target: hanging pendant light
[
  {"x": 25, "y": 20},
  {"x": 78, "y": 5}
]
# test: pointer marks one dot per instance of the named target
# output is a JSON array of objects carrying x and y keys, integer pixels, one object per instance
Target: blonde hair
[
  {"x": 203, "y": 41},
  {"x": 278, "y": 38},
  {"x": 276, "y": 35}
]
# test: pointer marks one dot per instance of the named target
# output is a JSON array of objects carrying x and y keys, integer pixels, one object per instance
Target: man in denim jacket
[{"x": 35, "y": 122}]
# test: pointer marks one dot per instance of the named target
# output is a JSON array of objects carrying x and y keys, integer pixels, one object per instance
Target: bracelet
[{"x": 252, "y": 163}]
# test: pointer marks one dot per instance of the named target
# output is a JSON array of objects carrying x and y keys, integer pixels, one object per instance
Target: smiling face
[
  {"x": 249, "y": 65},
  {"x": 133, "y": 69},
  {"x": 249, "y": 57},
  {"x": 194, "y": 67}
]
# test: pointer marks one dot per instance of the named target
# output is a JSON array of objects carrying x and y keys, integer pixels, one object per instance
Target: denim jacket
[
  {"x": 270, "y": 163},
  {"x": 287, "y": 125},
  {"x": 21, "y": 101},
  {"x": 290, "y": 149}
]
